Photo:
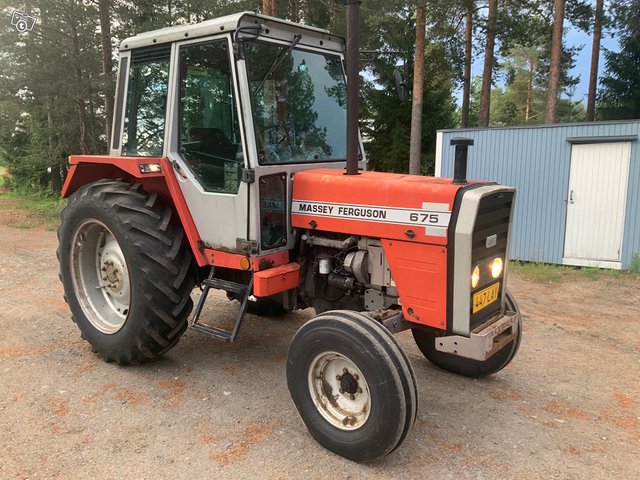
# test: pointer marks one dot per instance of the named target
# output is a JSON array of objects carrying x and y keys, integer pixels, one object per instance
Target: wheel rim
[
  {"x": 100, "y": 276},
  {"x": 339, "y": 391}
]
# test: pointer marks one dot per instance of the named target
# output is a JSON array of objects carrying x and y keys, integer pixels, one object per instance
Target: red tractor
[{"x": 227, "y": 170}]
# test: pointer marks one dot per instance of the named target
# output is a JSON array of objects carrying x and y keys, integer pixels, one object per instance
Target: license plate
[{"x": 485, "y": 297}]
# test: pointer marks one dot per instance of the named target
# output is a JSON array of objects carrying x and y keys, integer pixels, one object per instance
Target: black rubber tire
[
  {"x": 159, "y": 265},
  {"x": 401, "y": 362},
  {"x": 425, "y": 340},
  {"x": 388, "y": 373}
]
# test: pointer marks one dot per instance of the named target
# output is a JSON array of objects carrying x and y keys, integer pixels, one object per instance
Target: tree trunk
[
  {"x": 415, "y": 149},
  {"x": 556, "y": 54},
  {"x": 487, "y": 73},
  {"x": 294, "y": 10},
  {"x": 269, "y": 7},
  {"x": 527, "y": 111},
  {"x": 107, "y": 66},
  {"x": 466, "y": 84},
  {"x": 595, "y": 60}
]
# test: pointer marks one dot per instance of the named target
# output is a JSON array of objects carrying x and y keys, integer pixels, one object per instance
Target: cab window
[
  {"x": 209, "y": 138},
  {"x": 146, "y": 106},
  {"x": 299, "y": 104}
]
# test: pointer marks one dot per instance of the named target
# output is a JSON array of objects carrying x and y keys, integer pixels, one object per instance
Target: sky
[
  {"x": 575, "y": 37},
  {"x": 572, "y": 38}
]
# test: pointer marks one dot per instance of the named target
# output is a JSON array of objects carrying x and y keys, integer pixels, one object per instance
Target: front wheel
[
  {"x": 127, "y": 277},
  {"x": 425, "y": 340},
  {"x": 352, "y": 385}
]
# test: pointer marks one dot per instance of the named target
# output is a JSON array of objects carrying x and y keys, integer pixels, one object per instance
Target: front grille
[{"x": 494, "y": 214}]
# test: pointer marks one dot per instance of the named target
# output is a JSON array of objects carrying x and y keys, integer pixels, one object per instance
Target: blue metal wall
[{"x": 536, "y": 160}]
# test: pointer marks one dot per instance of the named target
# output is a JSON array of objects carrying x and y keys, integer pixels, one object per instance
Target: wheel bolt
[
  {"x": 338, "y": 377},
  {"x": 359, "y": 390},
  {"x": 344, "y": 370},
  {"x": 355, "y": 376},
  {"x": 104, "y": 269},
  {"x": 341, "y": 390},
  {"x": 352, "y": 397}
]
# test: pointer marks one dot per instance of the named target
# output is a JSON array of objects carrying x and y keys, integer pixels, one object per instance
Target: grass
[
  {"x": 44, "y": 206},
  {"x": 537, "y": 272},
  {"x": 546, "y": 273}
]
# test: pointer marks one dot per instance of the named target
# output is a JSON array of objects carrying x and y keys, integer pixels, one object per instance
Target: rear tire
[
  {"x": 127, "y": 277},
  {"x": 377, "y": 406},
  {"x": 425, "y": 340}
]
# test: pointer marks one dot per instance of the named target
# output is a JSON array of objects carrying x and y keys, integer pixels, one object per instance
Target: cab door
[{"x": 206, "y": 140}]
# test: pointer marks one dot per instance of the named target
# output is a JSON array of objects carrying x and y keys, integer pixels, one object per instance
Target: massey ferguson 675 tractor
[{"x": 235, "y": 164}]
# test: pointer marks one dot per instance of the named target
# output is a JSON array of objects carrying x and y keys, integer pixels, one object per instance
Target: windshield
[{"x": 299, "y": 104}]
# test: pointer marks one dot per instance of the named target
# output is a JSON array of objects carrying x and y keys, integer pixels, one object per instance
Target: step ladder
[{"x": 243, "y": 292}]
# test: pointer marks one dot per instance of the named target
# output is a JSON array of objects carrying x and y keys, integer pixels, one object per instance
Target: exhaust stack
[
  {"x": 353, "y": 81},
  {"x": 460, "y": 167}
]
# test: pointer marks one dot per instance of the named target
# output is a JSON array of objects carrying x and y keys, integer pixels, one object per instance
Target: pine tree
[{"x": 618, "y": 97}]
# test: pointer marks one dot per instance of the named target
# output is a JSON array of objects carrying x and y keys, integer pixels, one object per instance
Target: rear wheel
[
  {"x": 352, "y": 385},
  {"x": 425, "y": 340},
  {"x": 126, "y": 275}
]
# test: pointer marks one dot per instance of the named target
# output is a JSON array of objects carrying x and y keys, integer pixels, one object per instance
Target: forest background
[{"x": 57, "y": 80}]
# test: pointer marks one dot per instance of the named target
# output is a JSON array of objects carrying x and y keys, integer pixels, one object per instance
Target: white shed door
[{"x": 596, "y": 204}]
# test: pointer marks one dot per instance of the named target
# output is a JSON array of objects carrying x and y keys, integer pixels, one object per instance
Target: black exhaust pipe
[
  {"x": 353, "y": 81},
  {"x": 460, "y": 167}
]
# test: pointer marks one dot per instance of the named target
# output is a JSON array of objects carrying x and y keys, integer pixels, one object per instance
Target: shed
[{"x": 578, "y": 187}]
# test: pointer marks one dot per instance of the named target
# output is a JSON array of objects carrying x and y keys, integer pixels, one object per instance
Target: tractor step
[{"x": 243, "y": 291}]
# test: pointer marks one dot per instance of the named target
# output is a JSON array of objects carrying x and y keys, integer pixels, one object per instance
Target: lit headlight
[
  {"x": 475, "y": 277},
  {"x": 496, "y": 267}
]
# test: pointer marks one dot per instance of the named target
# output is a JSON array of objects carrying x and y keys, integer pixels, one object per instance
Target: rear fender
[{"x": 90, "y": 168}]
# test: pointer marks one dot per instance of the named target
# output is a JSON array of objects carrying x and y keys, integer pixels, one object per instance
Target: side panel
[
  {"x": 420, "y": 274},
  {"x": 380, "y": 205}
]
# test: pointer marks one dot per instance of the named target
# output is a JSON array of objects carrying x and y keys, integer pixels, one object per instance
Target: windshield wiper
[{"x": 278, "y": 60}]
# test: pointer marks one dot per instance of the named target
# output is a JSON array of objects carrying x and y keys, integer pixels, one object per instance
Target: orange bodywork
[
  {"x": 276, "y": 280},
  {"x": 420, "y": 274},
  {"x": 89, "y": 168},
  {"x": 410, "y": 214},
  {"x": 373, "y": 190}
]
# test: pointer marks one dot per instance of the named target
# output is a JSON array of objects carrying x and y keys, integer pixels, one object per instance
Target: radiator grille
[{"x": 494, "y": 214}]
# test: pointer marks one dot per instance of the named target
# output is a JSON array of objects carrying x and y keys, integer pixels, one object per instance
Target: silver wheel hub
[
  {"x": 100, "y": 276},
  {"x": 339, "y": 391}
]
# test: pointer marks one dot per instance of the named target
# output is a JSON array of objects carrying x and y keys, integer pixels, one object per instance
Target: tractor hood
[{"x": 383, "y": 205}]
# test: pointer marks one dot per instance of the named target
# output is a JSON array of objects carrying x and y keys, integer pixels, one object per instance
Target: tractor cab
[{"x": 237, "y": 105}]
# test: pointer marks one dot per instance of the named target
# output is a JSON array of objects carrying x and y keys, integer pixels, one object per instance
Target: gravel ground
[{"x": 567, "y": 407}]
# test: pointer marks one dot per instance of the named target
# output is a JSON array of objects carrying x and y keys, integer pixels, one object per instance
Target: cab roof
[{"x": 227, "y": 23}]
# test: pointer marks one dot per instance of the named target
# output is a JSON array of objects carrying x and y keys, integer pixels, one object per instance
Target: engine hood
[{"x": 384, "y": 205}]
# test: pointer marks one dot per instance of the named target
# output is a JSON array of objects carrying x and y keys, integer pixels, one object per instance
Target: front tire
[
  {"x": 425, "y": 340},
  {"x": 127, "y": 277},
  {"x": 352, "y": 385}
]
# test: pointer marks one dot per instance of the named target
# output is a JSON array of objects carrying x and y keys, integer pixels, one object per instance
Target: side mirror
[{"x": 398, "y": 78}]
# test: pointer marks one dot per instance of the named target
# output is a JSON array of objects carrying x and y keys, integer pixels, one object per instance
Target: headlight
[
  {"x": 475, "y": 277},
  {"x": 496, "y": 267}
]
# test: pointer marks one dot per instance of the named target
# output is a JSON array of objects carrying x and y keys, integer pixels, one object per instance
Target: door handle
[{"x": 571, "y": 197}]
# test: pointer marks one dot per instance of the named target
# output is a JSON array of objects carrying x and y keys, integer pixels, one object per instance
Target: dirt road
[{"x": 567, "y": 407}]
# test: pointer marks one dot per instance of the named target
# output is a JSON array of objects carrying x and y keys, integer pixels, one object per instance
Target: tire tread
[{"x": 163, "y": 264}]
